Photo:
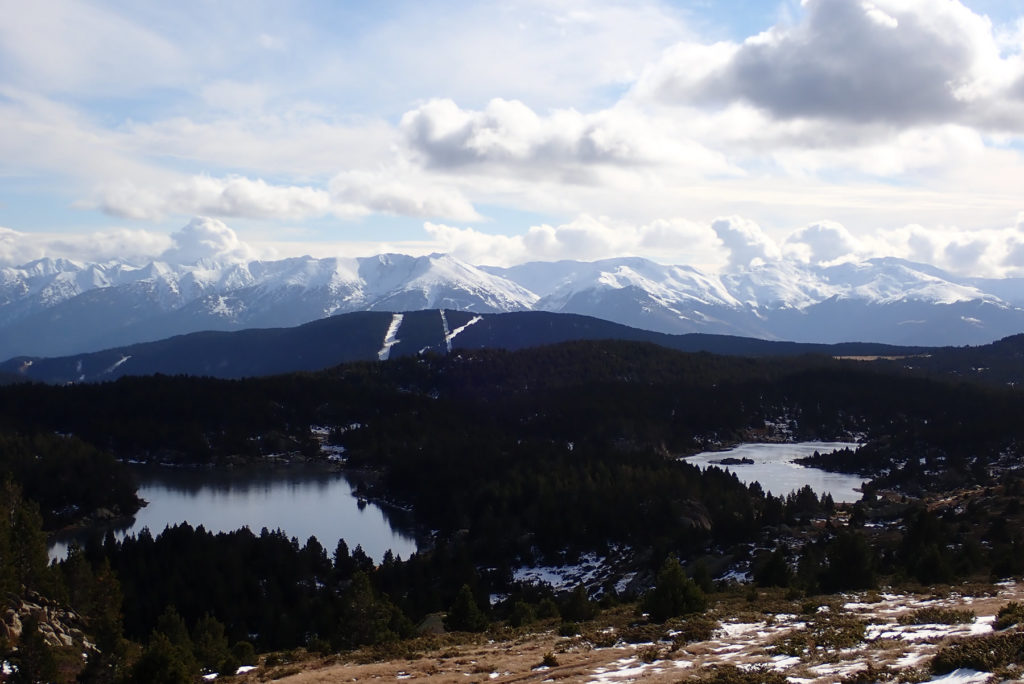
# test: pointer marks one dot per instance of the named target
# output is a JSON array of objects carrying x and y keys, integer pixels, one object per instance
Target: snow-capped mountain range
[{"x": 57, "y": 306}]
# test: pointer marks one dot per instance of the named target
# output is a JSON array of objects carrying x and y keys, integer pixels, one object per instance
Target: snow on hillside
[{"x": 53, "y": 306}]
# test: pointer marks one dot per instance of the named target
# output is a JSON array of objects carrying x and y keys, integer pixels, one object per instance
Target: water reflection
[
  {"x": 302, "y": 501},
  {"x": 772, "y": 466}
]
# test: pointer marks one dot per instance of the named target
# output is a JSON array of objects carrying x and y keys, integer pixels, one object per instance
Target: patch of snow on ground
[
  {"x": 244, "y": 668},
  {"x": 737, "y": 629},
  {"x": 911, "y": 659},
  {"x": 963, "y": 676},
  {"x": 924, "y": 632},
  {"x": 563, "y": 577},
  {"x": 626, "y": 670},
  {"x": 624, "y": 581}
]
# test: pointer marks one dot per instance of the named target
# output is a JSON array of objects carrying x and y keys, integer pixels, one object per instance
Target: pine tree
[
  {"x": 674, "y": 593},
  {"x": 161, "y": 663},
  {"x": 465, "y": 615},
  {"x": 209, "y": 643}
]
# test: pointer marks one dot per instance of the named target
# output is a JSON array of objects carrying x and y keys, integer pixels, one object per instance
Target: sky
[{"x": 717, "y": 134}]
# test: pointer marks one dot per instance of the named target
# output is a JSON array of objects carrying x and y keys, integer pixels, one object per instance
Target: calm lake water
[
  {"x": 301, "y": 501},
  {"x": 773, "y": 467}
]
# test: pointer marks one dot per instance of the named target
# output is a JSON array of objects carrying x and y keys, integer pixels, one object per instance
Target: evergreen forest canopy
[{"x": 509, "y": 458}]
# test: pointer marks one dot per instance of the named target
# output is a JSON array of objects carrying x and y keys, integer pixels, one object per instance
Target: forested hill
[
  {"x": 435, "y": 425},
  {"x": 362, "y": 336},
  {"x": 507, "y": 459}
]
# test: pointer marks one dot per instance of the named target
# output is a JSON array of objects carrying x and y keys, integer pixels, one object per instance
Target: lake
[
  {"x": 302, "y": 501},
  {"x": 773, "y": 467}
]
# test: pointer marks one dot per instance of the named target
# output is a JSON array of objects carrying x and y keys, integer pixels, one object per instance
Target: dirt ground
[{"x": 741, "y": 640}]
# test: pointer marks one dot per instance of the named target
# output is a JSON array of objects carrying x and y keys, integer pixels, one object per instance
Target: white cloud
[
  {"x": 77, "y": 47},
  {"x": 745, "y": 241},
  {"x": 399, "y": 193},
  {"x": 821, "y": 242},
  {"x": 229, "y": 197},
  {"x": 507, "y": 136},
  {"x": 892, "y": 62},
  {"x": 206, "y": 238},
  {"x": 135, "y": 246},
  {"x": 304, "y": 142},
  {"x": 550, "y": 54},
  {"x": 585, "y": 238}
]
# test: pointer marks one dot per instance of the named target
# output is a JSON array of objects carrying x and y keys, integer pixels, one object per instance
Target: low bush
[
  {"x": 730, "y": 674},
  {"x": 644, "y": 634},
  {"x": 827, "y": 631},
  {"x": 697, "y": 628},
  {"x": 985, "y": 654},
  {"x": 1009, "y": 615},
  {"x": 938, "y": 616}
]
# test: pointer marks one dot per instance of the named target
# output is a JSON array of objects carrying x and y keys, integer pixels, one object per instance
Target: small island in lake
[{"x": 732, "y": 460}]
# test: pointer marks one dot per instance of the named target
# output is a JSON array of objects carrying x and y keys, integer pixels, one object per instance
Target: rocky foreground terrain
[{"x": 759, "y": 637}]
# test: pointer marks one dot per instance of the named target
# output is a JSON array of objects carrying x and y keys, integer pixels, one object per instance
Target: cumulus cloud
[
  {"x": 893, "y": 62},
  {"x": 205, "y": 238},
  {"x": 992, "y": 252},
  {"x": 585, "y": 238},
  {"x": 821, "y": 242},
  {"x": 746, "y": 243},
  {"x": 510, "y": 135},
  {"x": 200, "y": 238}
]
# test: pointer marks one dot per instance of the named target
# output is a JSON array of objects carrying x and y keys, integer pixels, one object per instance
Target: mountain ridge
[
  {"x": 54, "y": 307},
  {"x": 367, "y": 335}
]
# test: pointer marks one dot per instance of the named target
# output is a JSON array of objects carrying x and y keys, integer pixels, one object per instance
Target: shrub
[
  {"x": 568, "y": 629},
  {"x": 549, "y": 660},
  {"x": 826, "y": 631},
  {"x": 522, "y": 614},
  {"x": 578, "y": 607},
  {"x": 697, "y": 628},
  {"x": 643, "y": 634},
  {"x": 938, "y": 616},
  {"x": 1009, "y": 615},
  {"x": 730, "y": 674},
  {"x": 648, "y": 654},
  {"x": 985, "y": 653}
]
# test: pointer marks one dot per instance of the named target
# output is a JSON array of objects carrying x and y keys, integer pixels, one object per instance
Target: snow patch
[
  {"x": 117, "y": 364},
  {"x": 963, "y": 676},
  {"x": 449, "y": 337},
  {"x": 391, "y": 337}
]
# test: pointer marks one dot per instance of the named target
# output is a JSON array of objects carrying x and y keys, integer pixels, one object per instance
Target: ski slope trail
[{"x": 391, "y": 338}]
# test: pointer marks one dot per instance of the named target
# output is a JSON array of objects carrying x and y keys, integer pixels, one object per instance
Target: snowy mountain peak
[{"x": 60, "y": 306}]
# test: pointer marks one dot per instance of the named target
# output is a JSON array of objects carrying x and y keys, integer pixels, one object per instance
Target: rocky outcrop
[{"x": 58, "y": 625}]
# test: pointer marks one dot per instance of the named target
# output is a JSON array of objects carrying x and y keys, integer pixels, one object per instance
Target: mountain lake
[
  {"x": 773, "y": 467},
  {"x": 300, "y": 500},
  {"x": 306, "y": 501}
]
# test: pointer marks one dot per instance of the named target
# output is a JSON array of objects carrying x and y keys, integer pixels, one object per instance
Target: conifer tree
[
  {"x": 465, "y": 615},
  {"x": 674, "y": 593}
]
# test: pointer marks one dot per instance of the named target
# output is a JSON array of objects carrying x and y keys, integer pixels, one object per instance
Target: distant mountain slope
[
  {"x": 60, "y": 307},
  {"x": 364, "y": 336}
]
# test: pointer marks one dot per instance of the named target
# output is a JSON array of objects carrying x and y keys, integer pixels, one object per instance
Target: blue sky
[{"x": 505, "y": 132}]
